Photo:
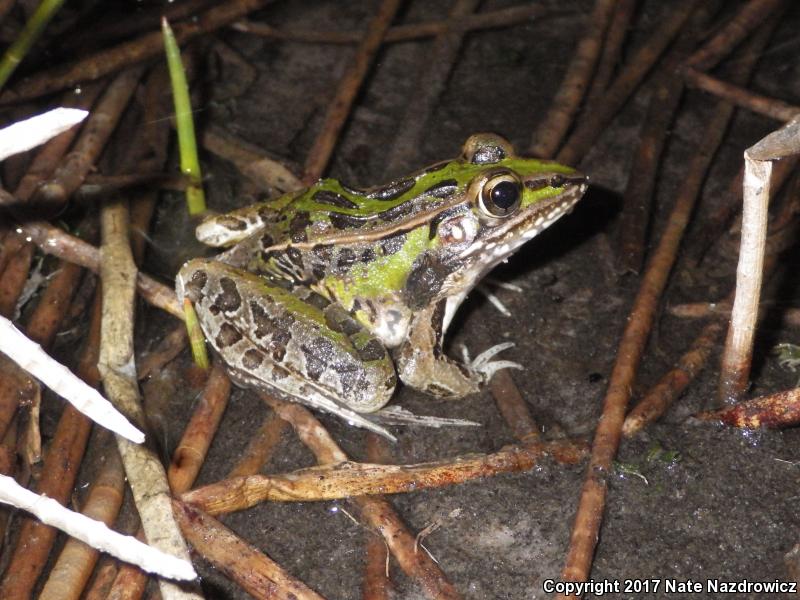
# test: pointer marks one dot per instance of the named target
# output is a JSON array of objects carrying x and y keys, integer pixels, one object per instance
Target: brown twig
[
  {"x": 585, "y": 530},
  {"x": 429, "y": 87},
  {"x": 253, "y": 570},
  {"x": 170, "y": 346},
  {"x": 104, "y": 576},
  {"x": 350, "y": 479},
  {"x": 193, "y": 447},
  {"x": 554, "y": 126},
  {"x": 612, "y": 48},
  {"x": 376, "y": 512},
  {"x": 340, "y": 105},
  {"x": 749, "y": 17},
  {"x": 639, "y": 191},
  {"x": 624, "y": 85},
  {"x": 76, "y": 561},
  {"x": 513, "y": 407},
  {"x": 781, "y": 409},
  {"x": 116, "y": 58},
  {"x": 401, "y": 33},
  {"x": 260, "y": 448},
  {"x": 762, "y": 105},
  {"x": 376, "y": 584}
]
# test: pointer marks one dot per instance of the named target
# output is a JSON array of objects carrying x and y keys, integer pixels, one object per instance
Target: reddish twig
[
  {"x": 612, "y": 49},
  {"x": 513, "y": 407},
  {"x": 781, "y": 409}
]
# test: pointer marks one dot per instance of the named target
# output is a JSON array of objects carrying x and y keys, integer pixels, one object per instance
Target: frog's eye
[{"x": 501, "y": 195}]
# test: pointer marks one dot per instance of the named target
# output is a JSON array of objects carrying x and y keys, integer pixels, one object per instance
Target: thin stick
[
  {"x": 260, "y": 448},
  {"x": 377, "y": 512},
  {"x": 376, "y": 584},
  {"x": 513, "y": 407},
  {"x": 143, "y": 469},
  {"x": 749, "y": 17},
  {"x": 778, "y": 410},
  {"x": 350, "y": 479},
  {"x": 554, "y": 126},
  {"x": 586, "y": 528},
  {"x": 253, "y": 570},
  {"x": 196, "y": 440},
  {"x": 612, "y": 48},
  {"x": 736, "y": 359},
  {"x": 168, "y": 348},
  {"x": 342, "y": 102},
  {"x": 116, "y": 58},
  {"x": 402, "y": 33},
  {"x": 429, "y": 87},
  {"x": 624, "y": 85},
  {"x": 762, "y": 105}
]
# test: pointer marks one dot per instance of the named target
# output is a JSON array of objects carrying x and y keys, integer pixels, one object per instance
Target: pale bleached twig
[
  {"x": 24, "y": 135},
  {"x": 30, "y": 356},
  {"x": 94, "y": 533}
]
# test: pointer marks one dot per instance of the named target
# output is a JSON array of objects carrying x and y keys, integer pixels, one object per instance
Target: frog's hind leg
[{"x": 296, "y": 343}]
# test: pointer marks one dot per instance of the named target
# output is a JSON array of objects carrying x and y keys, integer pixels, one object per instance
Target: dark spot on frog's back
[
  {"x": 296, "y": 257},
  {"x": 391, "y": 191},
  {"x": 345, "y": 259},
  {"x": 298, "y": 225},
  {"x": 424, "y": 282},
  {"x": 228, "y": 335},
  {"x": 252, "y": 359},
  {"x": 343, "y": 221},
  {"x": 393, "y": 243},
  {"x": 267, "y": 241},
  {"x": 443, "y": 189},
  {"x": 195, "y": 285},
  {"x": 333, "y": 199},
  {"x": 372, "y": 350},
  {"x": 229, "y": 300},
  {"x": 317, "y": 300}
]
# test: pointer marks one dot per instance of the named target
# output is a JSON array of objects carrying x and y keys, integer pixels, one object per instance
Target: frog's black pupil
[{"x": 505, "y": 194}]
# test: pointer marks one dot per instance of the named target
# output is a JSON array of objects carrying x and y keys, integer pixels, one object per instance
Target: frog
[{"x": 328, "y": 295}]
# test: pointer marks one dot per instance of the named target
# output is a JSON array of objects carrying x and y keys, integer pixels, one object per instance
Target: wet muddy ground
[{"x": 713, "y": 503}]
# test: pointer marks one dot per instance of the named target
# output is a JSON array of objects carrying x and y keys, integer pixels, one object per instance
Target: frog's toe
[{"x": 487, "y": 367}]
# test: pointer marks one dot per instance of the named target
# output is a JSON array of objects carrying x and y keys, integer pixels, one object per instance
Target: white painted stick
[
  {"x": 27, "y": 134},
  {"x": 30, "y": 356},
  {"x": 94, "y": 533}
]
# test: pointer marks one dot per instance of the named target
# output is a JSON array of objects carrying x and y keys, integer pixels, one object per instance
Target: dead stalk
[
  {"x": 513, "y": 407},
  {"x": 144, "y": 471},
  {"x": 735, "y": 366},
  {"x": 342, "y": 102},
  {"x": 781, "y": 409},
  {"x": 554, "y": 126},
  {"x": 612, "y": 49},
  {"x": 261, "y": 447}
]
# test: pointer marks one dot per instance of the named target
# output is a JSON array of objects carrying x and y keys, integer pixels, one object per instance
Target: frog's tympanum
[{"x": 326, "y": 295}]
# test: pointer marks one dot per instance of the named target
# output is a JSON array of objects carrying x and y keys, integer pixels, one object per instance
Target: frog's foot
[
  {"x": 483, "y": 363},
  {"x": 397, "y": 415}
]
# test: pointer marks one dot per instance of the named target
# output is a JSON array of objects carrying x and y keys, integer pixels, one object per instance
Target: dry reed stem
[
  {"x": 342, "y": 102},
  {"x": 350, "y": 479},
  {"x": 612, "y": 48},
  {"x": 664, "y": 101},
  {"x": 429, "y": 87},
  {"x": 790, "y": 317},
  {"x": 376, "y": 511},
  {"x": 260, "y": 447},
  {"x": 265, "y": 172},
  {"x": 116, "y": 58},
  {"x": 16, "y": 389},
  {"x": 15, "y": 275},
  {"x": 554, "y": 126},
  {"x": 781, "y": 409},
  {"x": 402, "y": 33},
  {"x": 741, "y": 97},
  {"x": 512, "y": 406},
  {"x": 97, "y": 130},
  {"x": 104, "y": 576},
  {"x": 589, "y": 129},
  {"x": 55, "y": 241},
  {"x": 76, "y": 561},
  {"x": 586, "y": 528},
  {"x": 60, "y": 469},
  {"x": 737, "y": 355},
  {"x": 253, "y": 570},
  {"x": 129, "y": 582},
  {"x": 376, "y": 584},
  {"x": 749, "y": 17},
  {"x": 170, "y": 346},
  {"x": 196, "y": 440}
]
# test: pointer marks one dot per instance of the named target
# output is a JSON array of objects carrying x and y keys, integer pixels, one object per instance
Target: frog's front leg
[
  {"x": 422, "y": 365},
  {"x": 293, "y": 342}
]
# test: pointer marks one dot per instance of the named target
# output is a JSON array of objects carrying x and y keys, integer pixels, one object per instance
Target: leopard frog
[{"x": 325, "y": 296}]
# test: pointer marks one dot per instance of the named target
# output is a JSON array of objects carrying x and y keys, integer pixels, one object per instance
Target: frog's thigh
[
  {"x": 297, "y": 343},
  {"x": 422, "y": 365}
]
